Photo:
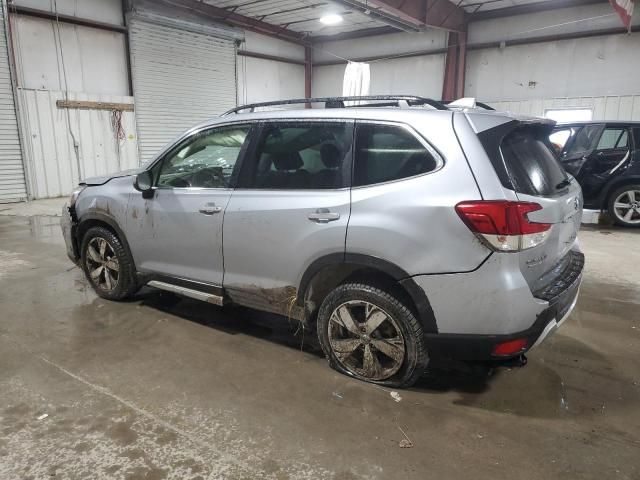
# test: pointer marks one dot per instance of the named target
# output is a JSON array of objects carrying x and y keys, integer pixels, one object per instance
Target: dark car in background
[{"x": 604, "y": 157}]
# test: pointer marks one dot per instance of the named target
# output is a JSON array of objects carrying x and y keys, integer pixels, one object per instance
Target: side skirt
[{"x": 182, "y": 286}]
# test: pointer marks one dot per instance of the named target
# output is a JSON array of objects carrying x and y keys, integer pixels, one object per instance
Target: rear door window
[
  {"x": 613, "y": 138},
  {"x": 390, "y": 152},
  {"x": 531, "y": 162},
  {"x": 302, "y": 156}
]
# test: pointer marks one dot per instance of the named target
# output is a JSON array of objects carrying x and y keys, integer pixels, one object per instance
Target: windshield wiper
[{"x": 563, "y": 184}]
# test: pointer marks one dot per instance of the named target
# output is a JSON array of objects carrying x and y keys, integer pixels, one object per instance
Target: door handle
[
  {"x": 323, "y": 215},
  {"x": 210, "y": 209}
]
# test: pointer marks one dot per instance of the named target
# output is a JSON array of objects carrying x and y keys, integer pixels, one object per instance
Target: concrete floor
[{"x": 162, "y": 387}]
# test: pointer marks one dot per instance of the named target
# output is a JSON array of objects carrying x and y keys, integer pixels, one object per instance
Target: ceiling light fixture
[{"x": 331, "y": 19}]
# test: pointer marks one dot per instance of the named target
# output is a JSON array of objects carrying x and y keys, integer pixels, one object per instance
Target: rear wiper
[{"x": 563, "y": 184}]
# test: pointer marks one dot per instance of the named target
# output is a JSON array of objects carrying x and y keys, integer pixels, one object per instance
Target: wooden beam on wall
[{"x": 87, "y": 105}]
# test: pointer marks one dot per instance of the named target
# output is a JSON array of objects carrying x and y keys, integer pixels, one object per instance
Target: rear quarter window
[
  {"x": 386, "y": 153},
  {"x": 531, "y": 164}
]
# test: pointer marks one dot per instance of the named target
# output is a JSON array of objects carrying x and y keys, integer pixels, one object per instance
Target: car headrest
[
  {"x": 330, "y": 155},
  {"x": 288, "y": 161}
]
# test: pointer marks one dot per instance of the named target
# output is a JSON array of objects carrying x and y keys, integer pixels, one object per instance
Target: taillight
[{"x": 504, "y": 225}]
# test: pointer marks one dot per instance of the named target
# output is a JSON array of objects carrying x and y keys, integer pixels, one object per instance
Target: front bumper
[
  {"x": 562, "y": 296},
  {"x": 68, "y": 226}
]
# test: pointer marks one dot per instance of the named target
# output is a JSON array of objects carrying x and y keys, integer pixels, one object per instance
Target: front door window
[{"x": 206, "y": 161}]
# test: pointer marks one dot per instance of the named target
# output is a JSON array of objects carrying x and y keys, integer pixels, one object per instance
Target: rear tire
[
  {"x": 107, "y": 264},
  {"x": 624, "y": 206},
  {"x": 369, "y": 334}
]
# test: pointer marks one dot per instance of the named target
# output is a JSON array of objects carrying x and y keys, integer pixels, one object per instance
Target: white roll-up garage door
[
  {"x": 12, "y": 185},
  {"x": 180, "y": 78}
]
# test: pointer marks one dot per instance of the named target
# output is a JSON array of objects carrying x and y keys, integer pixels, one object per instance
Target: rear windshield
[{"x": 531, "y": 163}]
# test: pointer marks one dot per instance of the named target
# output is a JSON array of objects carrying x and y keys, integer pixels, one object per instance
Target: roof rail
[{"x": 339, "y": 102}]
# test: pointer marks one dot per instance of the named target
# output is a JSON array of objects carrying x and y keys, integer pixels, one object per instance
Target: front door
[
  {"x": 178, "y": 232},
  {"x": 291, "y": 207}
]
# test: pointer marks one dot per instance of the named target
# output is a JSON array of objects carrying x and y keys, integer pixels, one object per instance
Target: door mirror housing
[{"x": 144, "y": 183}]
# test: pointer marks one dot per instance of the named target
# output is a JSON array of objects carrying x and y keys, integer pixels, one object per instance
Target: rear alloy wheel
[
  {"x": 624, "y": 206},
  {"x": 107, "y": 265},
  {"x": 369, "y": 334}
]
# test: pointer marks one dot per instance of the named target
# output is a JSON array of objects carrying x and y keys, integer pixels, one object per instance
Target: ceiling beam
[
  {"x": 527, "y": 8},
  {"x": 366, "y": 32},
  {"x": 32, "y": 12},
  {"x": 425, "y": 13},
  {"x": 445, "y": 14},
  {"x": 241, "y": 21}
]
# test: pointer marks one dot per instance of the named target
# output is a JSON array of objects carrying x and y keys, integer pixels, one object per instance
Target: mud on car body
[{"x": 404, "y": 231}]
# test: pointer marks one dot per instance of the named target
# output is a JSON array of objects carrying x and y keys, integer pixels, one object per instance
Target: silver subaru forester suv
[{"x": 400, "y": 228}]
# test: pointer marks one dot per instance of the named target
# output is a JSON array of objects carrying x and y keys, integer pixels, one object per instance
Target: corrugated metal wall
[
  {"x": 180, "y": 78},
  {"x": 50, "y": 152},
  {"x": 604, "y": 108},
  {"x": 12, "y": 184}
]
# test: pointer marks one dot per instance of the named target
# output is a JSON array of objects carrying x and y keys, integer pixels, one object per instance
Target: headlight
[{"x": 74, "y": 195}]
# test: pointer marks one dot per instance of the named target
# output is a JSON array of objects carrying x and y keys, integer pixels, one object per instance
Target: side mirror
[{"x": 144, "y": 183}]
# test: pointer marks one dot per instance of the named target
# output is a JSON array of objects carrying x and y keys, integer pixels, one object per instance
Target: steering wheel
[
  {"x": 208, "y": 177},
  {"x": 180, "y": 182}
]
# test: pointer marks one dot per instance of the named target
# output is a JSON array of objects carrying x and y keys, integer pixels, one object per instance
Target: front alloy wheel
[
  {"x": 107, "y": 264},
  {"x": 102, "y": 264}
]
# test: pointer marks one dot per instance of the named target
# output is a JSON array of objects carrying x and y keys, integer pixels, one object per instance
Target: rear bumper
[
  {"x": 68, "y": 226},
  {"x": 561, "y": 296}
]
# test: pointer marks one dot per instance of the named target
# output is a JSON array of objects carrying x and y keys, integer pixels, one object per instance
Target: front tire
[
  {"x": 370, "y": 334},
  {"x": 624, "y": 206},
  {"x": 107, "y": 264}
]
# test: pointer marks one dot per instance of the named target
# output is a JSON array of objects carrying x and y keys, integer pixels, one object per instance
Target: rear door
[
  {"x": 612, "y": 149},
  {"x": 291, "y": 207},
  {"x": 538, "y": 177}
]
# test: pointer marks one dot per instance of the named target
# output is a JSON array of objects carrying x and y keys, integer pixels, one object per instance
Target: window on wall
[{"x": 561, "y": 115}]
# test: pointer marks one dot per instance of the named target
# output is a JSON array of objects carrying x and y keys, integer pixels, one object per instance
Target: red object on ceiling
[{"x": 624, "y": 9}]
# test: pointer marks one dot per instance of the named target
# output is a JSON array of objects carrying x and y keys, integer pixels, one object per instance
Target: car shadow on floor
[{"x": 234, "y": 320}]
